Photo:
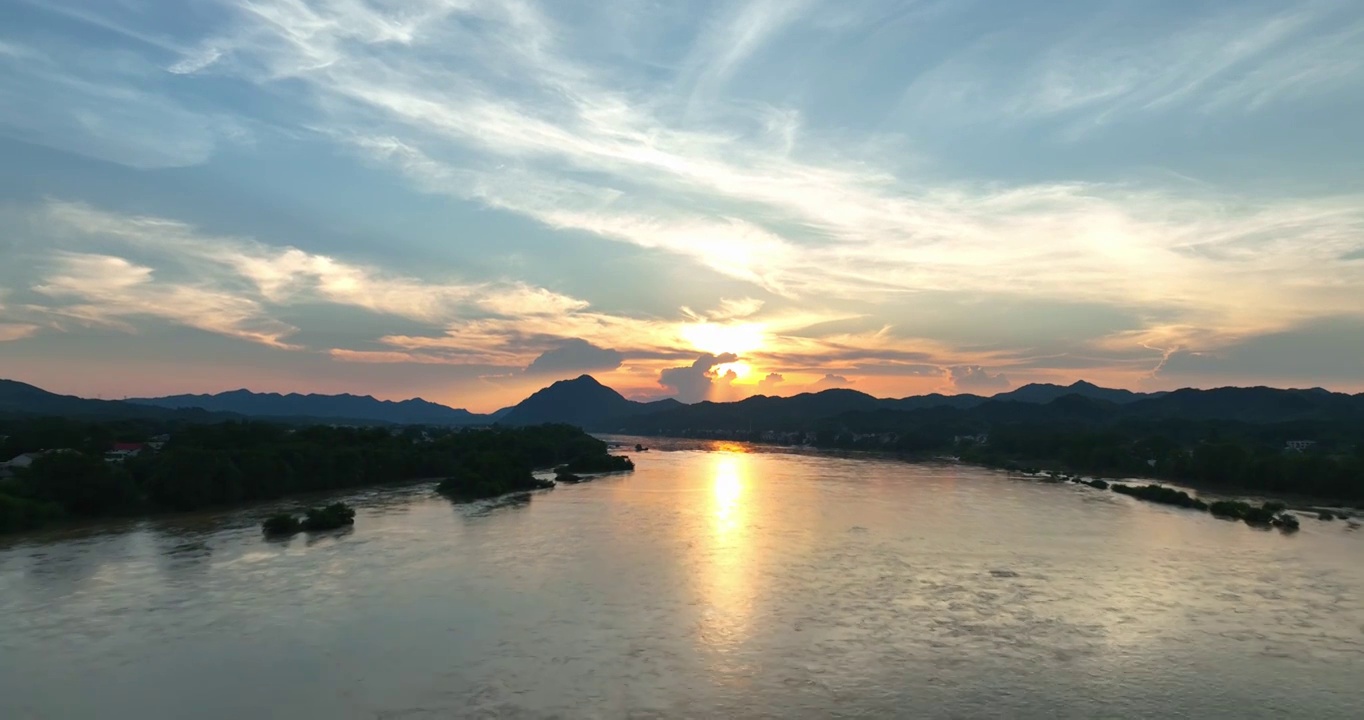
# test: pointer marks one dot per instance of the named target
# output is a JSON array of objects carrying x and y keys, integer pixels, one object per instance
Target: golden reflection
[
  {"x": 726, "y": 571},
  {"x": 728, "y": 488},
  {"x": 726, "y": 446}
]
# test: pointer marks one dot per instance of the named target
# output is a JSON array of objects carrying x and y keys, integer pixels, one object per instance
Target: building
[
  {"x": 123, "y": 451},
  {"x": 10, "y": 468},
  {"x": 24, "y": 460},
  {"x": 1300, "y": 445}
]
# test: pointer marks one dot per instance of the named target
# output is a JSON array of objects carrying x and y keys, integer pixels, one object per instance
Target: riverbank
[
  {"x": 235, "y": 464},
  {"x": 1296, "y": 502}
]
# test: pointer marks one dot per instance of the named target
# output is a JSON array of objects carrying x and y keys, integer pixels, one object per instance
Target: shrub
[
  {"x": 1232, "y": 509},
  {"x": 281, "y": 524},
  {"x": 1286, "y": 522},
  {"x": 329, "y": 518},
  {"x": 1163, "y": 495}
]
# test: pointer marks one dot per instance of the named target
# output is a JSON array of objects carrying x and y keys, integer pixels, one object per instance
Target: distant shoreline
[{"x": 1297, "y": 501}]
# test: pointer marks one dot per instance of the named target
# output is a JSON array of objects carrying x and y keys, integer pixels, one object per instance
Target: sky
[{"x": 465, "y": 200}]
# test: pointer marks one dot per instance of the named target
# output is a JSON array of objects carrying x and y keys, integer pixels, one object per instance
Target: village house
[
  {"x": 10, "y": 468},
  {"x": 123, "y": 451}
]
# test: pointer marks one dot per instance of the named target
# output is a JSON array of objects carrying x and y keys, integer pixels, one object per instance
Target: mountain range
[
  {"x": 587, "y": 403},
  {"x": 327, "y": 407}
]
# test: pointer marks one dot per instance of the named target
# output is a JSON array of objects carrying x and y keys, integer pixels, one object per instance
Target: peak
[
  {"x": 582, "y": 380},
  {"x": 1085, "y": 384}
]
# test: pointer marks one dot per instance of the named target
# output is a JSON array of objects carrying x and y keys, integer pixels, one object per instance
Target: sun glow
[
  {"x": 717, "y": 339},
  {"x": 741, "y": 369}
]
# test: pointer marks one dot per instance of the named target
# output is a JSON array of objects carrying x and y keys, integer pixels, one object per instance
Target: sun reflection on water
[
  {"x": 726, "y": 573},
  {"x": 728, "y": 492}
]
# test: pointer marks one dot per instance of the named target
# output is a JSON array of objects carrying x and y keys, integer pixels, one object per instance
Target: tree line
[
  {"x": 1226, "y": 453},
  {"x": 214, "y": 465}
]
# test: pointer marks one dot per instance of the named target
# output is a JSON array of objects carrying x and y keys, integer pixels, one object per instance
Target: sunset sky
[{"x": 465, "y": 200}]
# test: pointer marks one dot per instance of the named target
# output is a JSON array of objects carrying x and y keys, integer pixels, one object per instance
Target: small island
[
  {"x": 1161, "y": 494},
  {"x": 331, "y": 517},
  {"x": 1268, "y": 514},
  {"x": 597, "y": 463},
  {"x": 505, "y": 467},
  {"x": 567, "y": 478}
]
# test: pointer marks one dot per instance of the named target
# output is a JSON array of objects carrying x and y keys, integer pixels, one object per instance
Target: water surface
[{"x": 707, "y": 584}]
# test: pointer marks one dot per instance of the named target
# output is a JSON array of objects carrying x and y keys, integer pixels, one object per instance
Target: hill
[
  {"x": 758, "y": 412},
  {"x": 581, "y": 401},
  {"x": 1092, "y": 405},
  {"x": 322, "y": 407},
  {"x": 1046, "y": 392},
  {"x": 18, "y": 398}
]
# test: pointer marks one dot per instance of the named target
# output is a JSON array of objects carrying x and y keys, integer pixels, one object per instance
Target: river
[{"x": 710, "y": 583}]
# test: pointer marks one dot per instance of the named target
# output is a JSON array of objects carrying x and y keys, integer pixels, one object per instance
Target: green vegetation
[
  {"x": 331, "y": 517},
  {"x": 216, "y": 465},
  {"x": 567, "y": 477},
  {"x": 1161, "y": 494},
  {"x": 1214, "y": 454},
  {"x": 281, "y": 524},
  {"x": 488, "y": 476},
  {"x": 20, "y": 513},
  {"x": 1269, "y": 514},
  {"x": 1078, "y": 437}
]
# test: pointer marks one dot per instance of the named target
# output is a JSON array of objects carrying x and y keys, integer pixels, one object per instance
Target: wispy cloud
[
  {"x": 512, "y": 105},
  {"x": 103, "y": 104},
  {"x": 279, "y": 275},
  {"x": 1127, "y": 65},
  {"x": 583, "y": 157},
  {"x": 106, "y": 290},
  {"x": 235, "y": 286}
]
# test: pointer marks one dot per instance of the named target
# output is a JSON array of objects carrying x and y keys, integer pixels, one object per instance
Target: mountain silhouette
[
  {"x": 1046, "y": 392},
  {"x": 1080, "y": 403},
  {"x": 586, "y": 403},
  {"x": 326, "y": 407},
  {"x": 581, "y": 401},
  {"x": 17, "y": 398}
]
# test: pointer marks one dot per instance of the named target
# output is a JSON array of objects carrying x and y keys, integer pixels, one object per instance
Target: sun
[{"x": 741, "y": 369}]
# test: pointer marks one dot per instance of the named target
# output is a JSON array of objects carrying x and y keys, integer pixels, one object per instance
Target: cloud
[
  {"x": 732, "y": 39},
  {"x": 1095, "y": 72},
  {"x": 103, "y": 105},
  {"x": 574, "y": 148},
  {"x": 971, "y": 378},
  {"x": 279, "y": 275},
  {"x": 796, "y": 202},
  {"x": 694, "y": 383},
  {"x": 16, "y": 331},
  {"x": 769, "y": 384},
  {"x": 102, "y": 289},
  {"x": 575, "y": 356},
  {"x": 522, "y": 300},
  {"x": 106, "y": 267},
  {"x": 1328, "y": 350},
  {"x": 830, "y": 381}
]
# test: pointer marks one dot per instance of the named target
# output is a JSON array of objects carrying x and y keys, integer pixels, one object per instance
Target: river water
[{"x": 710, "y": 584}]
